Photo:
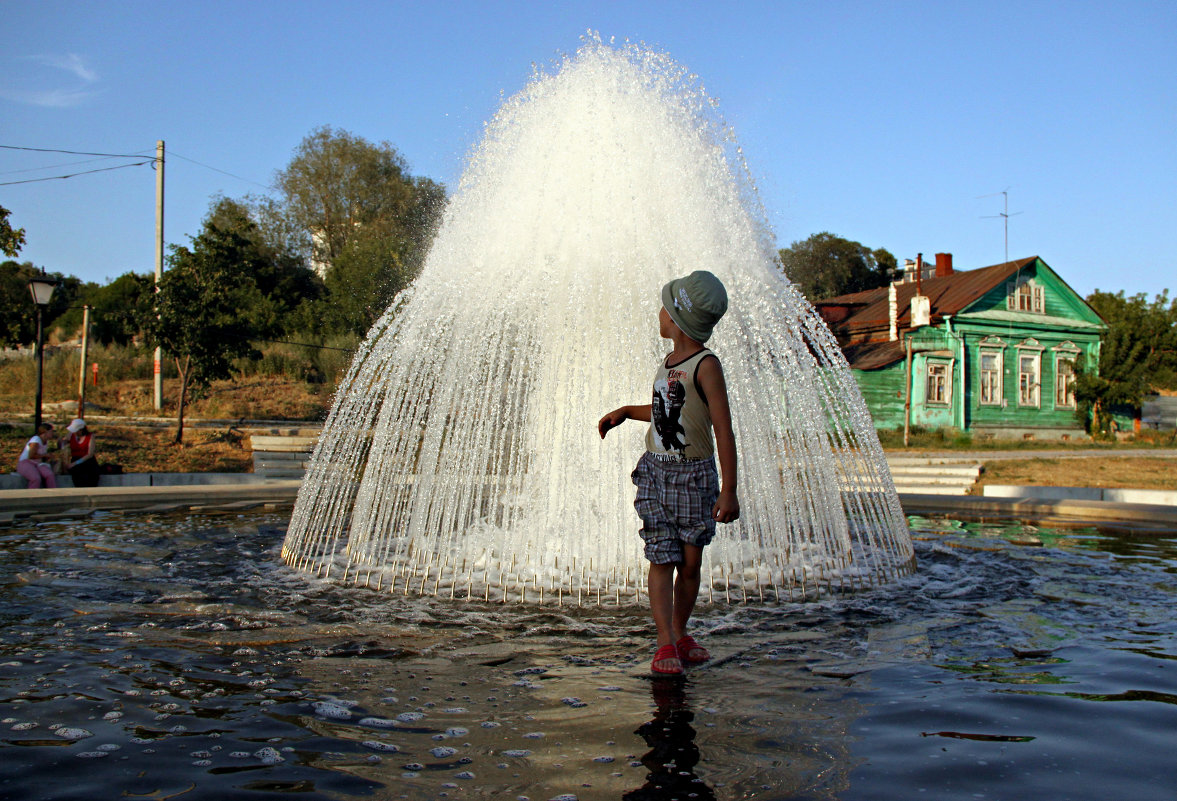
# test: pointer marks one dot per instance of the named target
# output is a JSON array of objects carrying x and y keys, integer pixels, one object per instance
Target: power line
[
  {"x": 75, "y": 174},
  {"x": 77, "y": 152},
  {"x": 56, "y": 166},
  {"x": 174, "y": 154}
]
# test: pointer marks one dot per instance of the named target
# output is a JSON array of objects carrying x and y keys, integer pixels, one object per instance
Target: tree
[
  {"x": 197, "y": 317},
  {"x": 358, "y": 217},
  {"x": 282, "y": 281},
  {"x": 18, "y": 313},
  {"x": 1138, "y": 354},
  {"x": 825, "y": 266},
  {"x": 117, "y": 309},
  {"x": 11, "y": 239}
]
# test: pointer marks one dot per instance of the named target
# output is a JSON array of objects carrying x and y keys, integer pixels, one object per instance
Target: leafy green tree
[
  {"x": 358, "y": 217},
  {"x": 1138, "y": 354},
  {"x": 117, "y": 309},
  {"x": 825, "y": 266},
  {"x": 18, "y": 313},
  {"x": 282, "y": 281},
  {"x": 11, "y": 239},
  {"x": 197, "y": 316}
]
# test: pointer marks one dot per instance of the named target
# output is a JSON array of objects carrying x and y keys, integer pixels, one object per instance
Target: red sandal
[
  {"x": 690, "y": 652},
  {"x": 665, "y": 654}
]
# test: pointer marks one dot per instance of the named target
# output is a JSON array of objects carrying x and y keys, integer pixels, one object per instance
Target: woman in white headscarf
[{"x": 81, "y": 463}]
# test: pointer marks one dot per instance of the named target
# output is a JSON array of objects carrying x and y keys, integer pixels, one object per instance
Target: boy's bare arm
[
  {"x": 619, "y": 416},
  {"x": 727, "y": 508}
]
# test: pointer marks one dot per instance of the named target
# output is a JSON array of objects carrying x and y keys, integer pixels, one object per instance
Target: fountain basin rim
[
  {"x": 1143, "y": 518},
  {"x": 62, "y": 502}
]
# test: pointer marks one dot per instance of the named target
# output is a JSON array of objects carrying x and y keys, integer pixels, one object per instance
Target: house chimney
[
  {"x": 892, "y": 313},
  {"x": 943, "y": 264}
]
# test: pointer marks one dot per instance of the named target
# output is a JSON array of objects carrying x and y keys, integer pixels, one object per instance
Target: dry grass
[
  {"x": 253, "y": 397},
  {"x": 150, "y": 449},
  {"x": 1130, "y": 472}
]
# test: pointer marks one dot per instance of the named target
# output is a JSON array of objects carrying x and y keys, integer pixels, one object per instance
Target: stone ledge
[
  {"x": 56, "y": 501},
  {"x": 1150, "y": 517},
  {"x": 1155, "y": 497}
]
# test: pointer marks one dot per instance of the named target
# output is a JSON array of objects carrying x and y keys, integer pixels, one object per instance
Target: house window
[
  {"x": 991, "y": 377},
  {"x": 1064, "y": 382},
  {"x": 937, "y": 383},
  {"x": 1026, "y": 296},
  {"x": 1028, "y": 378}
]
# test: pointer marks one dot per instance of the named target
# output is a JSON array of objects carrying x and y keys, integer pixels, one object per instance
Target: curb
[
  {"x": 58, "y": 502},
  {"x": 1160, "y": 519}
]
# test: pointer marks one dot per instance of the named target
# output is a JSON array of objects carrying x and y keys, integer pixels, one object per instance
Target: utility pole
[
  {"x": 82, "y": 367},
  {"x": 157, "y": 366}
]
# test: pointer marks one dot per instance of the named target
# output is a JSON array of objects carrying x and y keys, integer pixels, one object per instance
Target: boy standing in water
[{"x": 678, "y": 495}]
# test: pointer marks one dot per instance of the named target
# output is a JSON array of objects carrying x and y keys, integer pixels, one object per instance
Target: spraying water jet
[{"x": 460, "y": 458}]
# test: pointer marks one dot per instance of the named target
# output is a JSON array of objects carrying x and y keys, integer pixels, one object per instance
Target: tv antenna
[{"x": 1005, "y": 215}]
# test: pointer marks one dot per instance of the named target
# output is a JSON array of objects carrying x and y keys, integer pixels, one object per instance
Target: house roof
[
  {"x": 948, "y": 294},
  {"x": 873, "y": 355}
]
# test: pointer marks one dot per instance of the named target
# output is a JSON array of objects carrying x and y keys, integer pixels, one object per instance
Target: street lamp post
[{"x": 42, "y": 287}]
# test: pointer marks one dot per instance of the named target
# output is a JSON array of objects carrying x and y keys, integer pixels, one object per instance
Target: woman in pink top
[{"x": 32, "y": 464}]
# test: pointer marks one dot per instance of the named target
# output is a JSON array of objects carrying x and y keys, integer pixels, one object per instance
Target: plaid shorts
[{"x": 675, "y": 501}]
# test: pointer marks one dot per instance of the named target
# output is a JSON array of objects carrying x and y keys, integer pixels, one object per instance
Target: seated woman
[
  {"x": 81, "y": 463},
  {"x": 32, "y": 464}
]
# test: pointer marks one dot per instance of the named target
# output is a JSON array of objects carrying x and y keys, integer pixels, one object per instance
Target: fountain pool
[{"x": 157, "y": 656}]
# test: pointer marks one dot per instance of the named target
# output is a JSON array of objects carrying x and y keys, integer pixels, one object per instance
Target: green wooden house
[{"x": 989, "y": 351}]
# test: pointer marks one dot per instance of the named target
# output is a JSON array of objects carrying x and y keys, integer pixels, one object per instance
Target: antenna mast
[{"x": 1005, "y": 215}]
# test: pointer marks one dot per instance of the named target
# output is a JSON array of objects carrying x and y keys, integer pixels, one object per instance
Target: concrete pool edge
[
  {"x": 68, "y": 501},
  {"x": 1154, "y": 517},
  {"x": 72, "y": 502}
]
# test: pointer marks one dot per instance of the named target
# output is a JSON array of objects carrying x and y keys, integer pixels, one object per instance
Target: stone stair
[
  {"x": 933, "y": 475},
  {"x": 282, "y": 453}
]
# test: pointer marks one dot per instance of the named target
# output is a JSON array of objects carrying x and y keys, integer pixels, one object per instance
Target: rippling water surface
[{"x": 177, "y": 657}]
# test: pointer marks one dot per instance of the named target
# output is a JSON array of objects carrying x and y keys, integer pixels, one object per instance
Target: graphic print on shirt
[{"x": 669, "y": 397}]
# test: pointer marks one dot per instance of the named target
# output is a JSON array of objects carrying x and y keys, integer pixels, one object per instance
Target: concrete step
[
  {"x": 936, "y": 470},
  {"x": 895, "y": 461},
  {"x": 279, "y": 444},
  {"x": 931, "y": 489},
  {"x": 947, "y": 481}
]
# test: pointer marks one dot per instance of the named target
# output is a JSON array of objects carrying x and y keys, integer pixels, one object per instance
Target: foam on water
[{"x": 461, "y": 457}]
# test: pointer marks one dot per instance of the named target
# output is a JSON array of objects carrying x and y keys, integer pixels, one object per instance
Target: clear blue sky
[{"x": 883, "y": 122}]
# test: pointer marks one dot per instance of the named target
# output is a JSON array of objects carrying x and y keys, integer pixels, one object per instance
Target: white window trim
[
  {"x": 1065, "y": 352},
  {"x": 1032, "y": 349},
  {"x": 999, "y": 393},
  {"x": 1037, "y": 294},
  {"x": 947, "y": 365}
]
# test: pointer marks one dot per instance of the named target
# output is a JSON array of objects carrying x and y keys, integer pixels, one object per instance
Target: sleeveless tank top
[
  {"x": 680, "y": 422},
  {"x": 79, "y": 446}
]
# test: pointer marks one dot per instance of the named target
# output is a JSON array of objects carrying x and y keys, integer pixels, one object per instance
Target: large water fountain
[{"x": 461, "y": 457}]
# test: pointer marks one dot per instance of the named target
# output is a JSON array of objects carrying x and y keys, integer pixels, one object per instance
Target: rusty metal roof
[
  {"x": 948, "y": 294},
  {"x": 873, "y": 355}
]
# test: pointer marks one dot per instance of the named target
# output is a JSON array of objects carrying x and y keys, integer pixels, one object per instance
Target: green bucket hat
[{"x": 695, "y": 303}]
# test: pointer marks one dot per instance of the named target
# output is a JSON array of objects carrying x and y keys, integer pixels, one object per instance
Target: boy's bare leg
[
  {"x": 686, "y": 589},
  {"x": 660, "y": 583}
]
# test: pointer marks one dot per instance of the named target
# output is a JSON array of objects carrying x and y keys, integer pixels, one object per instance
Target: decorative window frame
[
  {"x": 1065, "y": 353},
  {"x": 991, "y": 346},
  {"x": 1030, "y": 348},
  {"x": 1025, "y": 295},
  {"x": 945, "y": 389}
]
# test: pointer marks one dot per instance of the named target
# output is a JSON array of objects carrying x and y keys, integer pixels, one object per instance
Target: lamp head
[{"x": 42, "y": 287}]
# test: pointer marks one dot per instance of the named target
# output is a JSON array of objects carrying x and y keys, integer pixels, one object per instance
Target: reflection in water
[
  {"x": 673, "y": 753},
  {"x": 165, "y": 656}
]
